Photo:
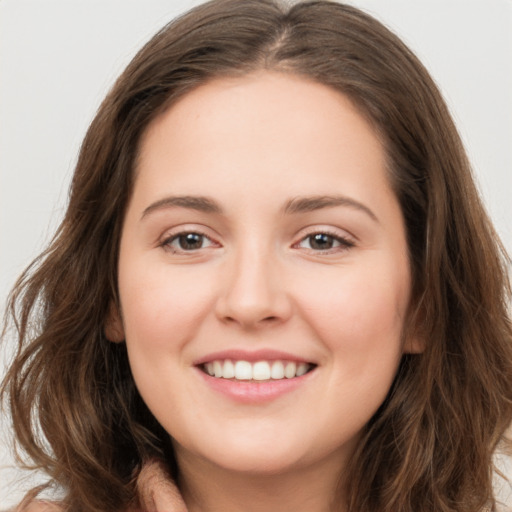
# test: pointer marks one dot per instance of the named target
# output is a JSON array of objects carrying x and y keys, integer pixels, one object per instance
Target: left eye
[
  {"x": 188, "y": 242},
  {"x": 323, "y": 242}
]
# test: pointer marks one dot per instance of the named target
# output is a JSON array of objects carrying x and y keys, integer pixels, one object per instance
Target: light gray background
[{"x": 59, "y": 57}]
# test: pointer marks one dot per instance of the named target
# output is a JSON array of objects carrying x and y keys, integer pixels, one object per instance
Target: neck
[{"x": 209, "y": 488}]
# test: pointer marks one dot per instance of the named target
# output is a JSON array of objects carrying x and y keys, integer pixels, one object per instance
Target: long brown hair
[{"x": 76, "y": 412}]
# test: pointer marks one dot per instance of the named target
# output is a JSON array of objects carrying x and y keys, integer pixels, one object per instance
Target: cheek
[
  {"x": 161, "y": 308},
  {"x": 357, "y": 314},
  {"x": 362, "y": 315},
  {"x": 162, "y": 312}
]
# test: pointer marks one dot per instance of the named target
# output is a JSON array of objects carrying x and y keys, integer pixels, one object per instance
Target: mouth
[{"x": 258, "y": 371}]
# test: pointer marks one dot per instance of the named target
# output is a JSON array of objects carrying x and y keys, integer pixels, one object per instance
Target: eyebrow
[
  {"x": 312, "y": 203},
  {"x": 293, "y": 206},
  {"x": 199, "y": 203}
]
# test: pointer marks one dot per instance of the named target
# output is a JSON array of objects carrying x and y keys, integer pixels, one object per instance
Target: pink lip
[
  {"x": 251, "y": 357},
  {"x": 251, "y": 392}
]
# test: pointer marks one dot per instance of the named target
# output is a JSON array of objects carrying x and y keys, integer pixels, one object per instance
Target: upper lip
[{"x": 250, "y": 356}]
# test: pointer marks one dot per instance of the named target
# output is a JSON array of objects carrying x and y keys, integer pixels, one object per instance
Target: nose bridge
[{"x": 253, "y": 292}]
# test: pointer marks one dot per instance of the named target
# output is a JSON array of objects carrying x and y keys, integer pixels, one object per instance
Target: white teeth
[
  {"x": 277, "y": 371},
  {"x": 260, "y": 370},
  {"x": 243, "y": 370},
  {"x": 229, "y": 369},
  {"x": 302, "y": 368},
  {"x": 289, "y": 370},
  {"x": 217, "y": 368}
]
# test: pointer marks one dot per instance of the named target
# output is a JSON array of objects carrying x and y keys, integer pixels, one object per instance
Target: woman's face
[{"x": 263, "y": 240}]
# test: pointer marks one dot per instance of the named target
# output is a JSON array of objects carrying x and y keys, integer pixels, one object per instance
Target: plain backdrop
[{"x": 58, "y": 58}]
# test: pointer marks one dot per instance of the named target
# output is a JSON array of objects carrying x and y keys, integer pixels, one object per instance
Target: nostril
[{"x": 250, "y": 320}]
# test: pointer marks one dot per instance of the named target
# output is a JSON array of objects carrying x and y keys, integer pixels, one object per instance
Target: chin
[
  {"x": 250, "y": 455},
  {"x": 259, "y": 464}
]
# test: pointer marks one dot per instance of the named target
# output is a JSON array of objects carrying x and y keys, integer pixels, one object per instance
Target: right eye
[{"x": 187, "y": 242}]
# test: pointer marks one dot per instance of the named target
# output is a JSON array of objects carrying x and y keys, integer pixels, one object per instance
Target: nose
[{"x": 253, "y": 292}]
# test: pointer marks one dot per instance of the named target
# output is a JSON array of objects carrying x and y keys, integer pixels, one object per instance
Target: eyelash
[
  {"x": 166, "y": 244},
  {"x": 343, "y": 243}
]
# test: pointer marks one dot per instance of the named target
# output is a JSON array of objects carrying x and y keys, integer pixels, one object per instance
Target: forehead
[{"x": 261, "y": 120}]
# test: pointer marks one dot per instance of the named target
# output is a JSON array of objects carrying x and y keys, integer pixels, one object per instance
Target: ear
[{"x": 114, "y": 330}]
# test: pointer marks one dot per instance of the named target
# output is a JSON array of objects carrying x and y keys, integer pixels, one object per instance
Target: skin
[{"x": 257, "y": 281}]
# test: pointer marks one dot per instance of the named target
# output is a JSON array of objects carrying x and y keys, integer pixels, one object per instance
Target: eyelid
[{"x": 328, "y": 230}]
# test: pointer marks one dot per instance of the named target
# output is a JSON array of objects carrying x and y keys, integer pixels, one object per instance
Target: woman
[{"x": 275, "y": 286}]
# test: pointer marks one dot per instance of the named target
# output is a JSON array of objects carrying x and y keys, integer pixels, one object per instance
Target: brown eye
[
  {"x": 321, "y": 241},
  {"x": 188, "y": 242},
  {"x": 324, "y": 242}
]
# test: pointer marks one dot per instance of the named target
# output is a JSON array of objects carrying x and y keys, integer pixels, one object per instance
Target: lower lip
[{"x": 254, "y": 391}]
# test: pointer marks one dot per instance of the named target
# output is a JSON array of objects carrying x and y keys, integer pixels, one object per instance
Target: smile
[{"x": 256, "y": 371}]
